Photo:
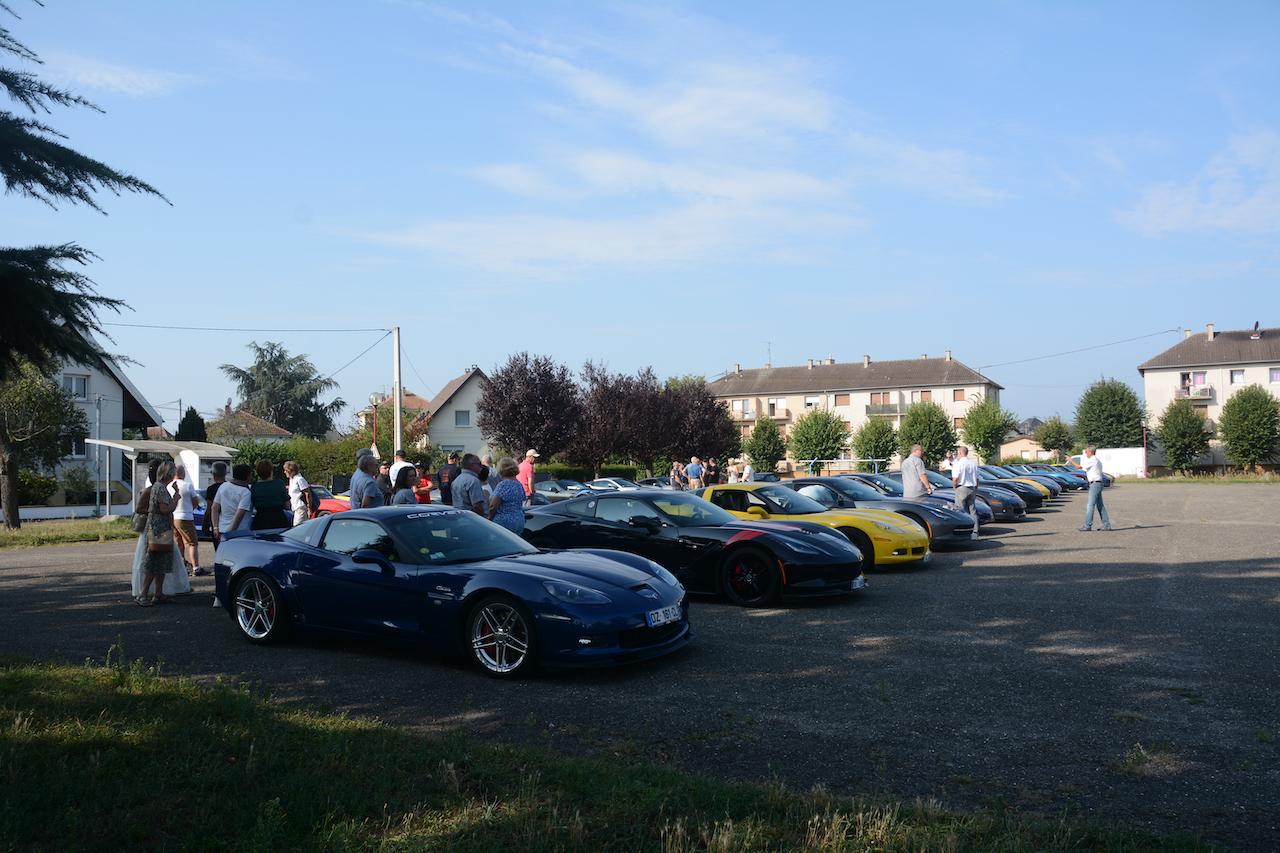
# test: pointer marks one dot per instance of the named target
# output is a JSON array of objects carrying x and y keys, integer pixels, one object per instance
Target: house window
[
  {"x": 462, "y": 417},
  {"x": 1275, "y": 374},
  {"x": 958, "y": 423},
  {"x": 452, "y": 448},
  {"x": 738, "y": 405},
  {"x": 74, "y": 448},
  {"x": 1237, "y": 377},
  {"x": 842, "y": 399},
  {"x": 776, "y": 405},
  {"x": 76, "y": 386},
  {"x": 921, "y": 396},
  {"x": 1199, "y": 377},
  {"x": 957, "y": 395},
  {"x": 812, "y": 402}
]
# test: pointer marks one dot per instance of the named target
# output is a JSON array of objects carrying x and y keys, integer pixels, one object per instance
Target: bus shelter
[{"x": 195, "y": 456}]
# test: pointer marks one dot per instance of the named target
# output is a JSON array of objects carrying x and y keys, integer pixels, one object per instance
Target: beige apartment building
[
  {"x": 857, "y": 391},
  {"x": 1207, "y": 368}
]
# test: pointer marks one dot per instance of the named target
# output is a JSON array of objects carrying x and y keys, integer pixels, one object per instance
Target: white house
[{"x": 453, "y": 414}]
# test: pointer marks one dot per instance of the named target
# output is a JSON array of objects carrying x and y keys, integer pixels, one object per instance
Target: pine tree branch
[{"x": 36, "y": 95}]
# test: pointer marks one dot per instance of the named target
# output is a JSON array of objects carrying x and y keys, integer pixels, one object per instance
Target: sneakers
[{"x": 1085, "y": 529}]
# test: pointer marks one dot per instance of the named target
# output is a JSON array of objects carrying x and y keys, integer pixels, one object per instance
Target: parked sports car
[
  {"x": 1005, "y": 505},
  {"x": 890, "y": 482},
  {"x": 765, "y": 477},
  {"x": 656, "y": 482},
  {"x": 883, "y": 537},
  {"x": 1032, "y": 495},
  {"x": 1068, "y": 481},
  {"x": 614, "y": 484},
  {"x": 450, "y": 580},
  {"x": 559, "y": 490},
  {"x": 944, "y": 526},
  {"x": 1051, "y": 487},
  {"x": 708, "y": 549},
  {"x": 325, "y": 501}
]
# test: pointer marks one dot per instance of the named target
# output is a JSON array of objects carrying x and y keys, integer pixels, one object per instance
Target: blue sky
[{"x": 683, "y": 186}]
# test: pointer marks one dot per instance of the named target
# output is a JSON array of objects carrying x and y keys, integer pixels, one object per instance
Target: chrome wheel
[
  {"x": 256, "y": 608},
  {"x": 499, "y": 636}
]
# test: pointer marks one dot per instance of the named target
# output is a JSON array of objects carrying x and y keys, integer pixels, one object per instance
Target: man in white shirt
[
  {"x": 233, "y": 505},
  {"x": 945, "y": 465},
  {"x": 748, "y": 473},
  {"x": 298, "y": 492},
  {"x": 964, "y": 477},
  {"x": 1092, "y": 467},
  {"x": 184, "y": 519},
  {"x": 401, "y": 462}
]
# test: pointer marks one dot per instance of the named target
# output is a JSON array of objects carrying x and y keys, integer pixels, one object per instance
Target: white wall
[{"x": 443, "y": 432}]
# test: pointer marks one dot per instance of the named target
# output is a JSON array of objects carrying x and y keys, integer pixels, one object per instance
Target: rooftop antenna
[{"x": 768, "y": 348}]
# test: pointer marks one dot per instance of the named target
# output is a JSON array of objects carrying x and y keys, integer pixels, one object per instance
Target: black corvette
[
  {"x": 944, "y": 525},
  {"x": 706, "y": 548}
]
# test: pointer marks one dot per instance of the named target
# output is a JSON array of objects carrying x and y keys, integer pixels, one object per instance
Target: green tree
[
  {"x": 37, "y": 419},
  {"x": 876, "y": 439},
  {"x": 1182, "y": 434},
  {"x": 50, "y": 311},
  {"x": 765, "y": 447},
  {"x": 927, "y": 425},
  {"x": 1056, "y": 435},
  {"x": 819, "y": 434},
  {"x": 285, "y": 389},
  {"x": 1250, "y": 427},
  {"x": 700, "y": 425},
  {"x": 1109, "y": 415},
  {"x": 191, "y": 427},
  {"x": 532, "y": 401},
  {"x": 985, "y": 427}
]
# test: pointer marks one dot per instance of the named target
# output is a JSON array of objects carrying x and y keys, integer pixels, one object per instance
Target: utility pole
[
  {"x": 97, "y": 457},
  {"x": 397, "y": 433}
]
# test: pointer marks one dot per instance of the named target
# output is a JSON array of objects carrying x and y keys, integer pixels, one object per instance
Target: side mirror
[
  {"x": 757, "y": 511},
  {"x": 647, "y": 522},
  {"x": 367, "y": 556}
]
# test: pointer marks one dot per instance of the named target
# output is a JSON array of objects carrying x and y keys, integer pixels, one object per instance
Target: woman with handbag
[
  {"x": 158, "y": 561},
  {"x": 176, "y": 582}
]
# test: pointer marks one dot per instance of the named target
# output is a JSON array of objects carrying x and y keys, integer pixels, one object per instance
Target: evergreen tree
[
  {"x": 1250, "y": 427},
  {"x": 191, "y": 427},
  {"x": 985, "y": 427},
  {"x": 927, "y": 425},
  {"x": 1055, "y": 435},
  {"x": 50, "y": 312},
  {"x": 37, "y": 419},
  {"x": 1109, "y": 415},
  {"x": 819, "y": 434},
  {"x": 285, "y": 390},
  {"x": 1183, "y": 435},
  {"x": 765, "y": 447},
  {"x": 876, "y": 439}
]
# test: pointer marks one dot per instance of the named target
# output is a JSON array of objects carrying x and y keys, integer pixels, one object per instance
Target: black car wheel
[
  {"x": 260, "y": 611},
  {"x": 862, "y": 542},
  {"x": 750, "y": 578},
  {"x": 500, "y": 636}
]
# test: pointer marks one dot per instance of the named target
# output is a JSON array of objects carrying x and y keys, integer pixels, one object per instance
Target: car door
[
  {"x": 381, "y": 597},
  {"x": 628, "y": 524}
]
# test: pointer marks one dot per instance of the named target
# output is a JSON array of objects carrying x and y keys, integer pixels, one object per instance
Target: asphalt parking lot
[{"x": 1126, "y": 676}]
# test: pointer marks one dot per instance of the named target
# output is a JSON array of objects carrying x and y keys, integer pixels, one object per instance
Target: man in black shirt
[
  {"x": 445, "y": 477},
  {"x": 219, "y": 471}
]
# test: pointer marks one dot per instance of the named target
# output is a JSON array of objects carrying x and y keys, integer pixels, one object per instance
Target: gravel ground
[{"x": 1127, "y": 676}]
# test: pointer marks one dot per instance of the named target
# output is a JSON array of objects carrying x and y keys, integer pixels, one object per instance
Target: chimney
[
  {"x": 1186, "y": 333},
  {"x": 737, "y": 367},
  {"x": 1209, "y": 333},
  {"x": 948, "y": 355},
  {"x": 866, "y": 361},
  {"x": 924, "y": 356},
  {"x": 811, "y": 364}
]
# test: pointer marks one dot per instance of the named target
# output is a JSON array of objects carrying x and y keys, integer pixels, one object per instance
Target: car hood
[
  {"x": 846, "y": 517},
  {"x": 590, "y": 568}
]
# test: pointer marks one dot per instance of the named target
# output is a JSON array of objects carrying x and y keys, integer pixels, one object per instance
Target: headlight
[
  {"x": 888, "y": 528},
  {"x": 802, "y": 547},
  {"x": 574, "y": 594},
  {"x": 665, "y": 575}
]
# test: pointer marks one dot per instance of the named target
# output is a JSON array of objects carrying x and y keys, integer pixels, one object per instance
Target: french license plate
[{"x": 663, "y": 616}]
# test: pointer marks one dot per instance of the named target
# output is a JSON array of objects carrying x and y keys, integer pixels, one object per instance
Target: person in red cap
[{"x": 526, "y": 471}]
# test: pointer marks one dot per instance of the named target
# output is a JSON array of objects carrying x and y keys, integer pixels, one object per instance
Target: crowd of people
[{"x": 696, "y": 474}]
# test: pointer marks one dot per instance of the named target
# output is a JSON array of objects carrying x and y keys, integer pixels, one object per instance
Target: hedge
[
  {"x": 564, "y": 471},
  {"x": 35, "y": 489}
]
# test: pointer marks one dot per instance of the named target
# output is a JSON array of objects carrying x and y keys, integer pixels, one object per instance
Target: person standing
[
  {"x": 1092, "y": 467},
  {"x": 219, "y": 472},
  {"x": 445, "y": 477},
  {"x": 364, "y": 491},
  {"x": 748, "y": 472},
  {"x": 384, "y": 482},
  {"x": 270, "y": 498},
  {"x": 403, "y": 494},
  {"x": 526, "y": 473},
  {"x": 299, "y": 493},
  {"x": 467, "y": 491},
  {"x": 964, "y": 477},
  {"x": 677, "y": 476},
  {"x": 184, "y": 520},
  {"x": 711, "y": 473},
  {"x": 401, "y": 461},
  {"x": 159, "y": 561},
  {"x": 422, "y": 488},
  {"x": 232, "y": 508},
  {"x": 733, "y": 473},
  {"x": 915, "y": 484},
  {"x": 945, "y": 465},
  {"x": 506, "y": 507},
  {"x": 693, "y": 471}
]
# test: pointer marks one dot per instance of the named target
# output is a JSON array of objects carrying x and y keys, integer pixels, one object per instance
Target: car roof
[{"x": 381, "y": 512}]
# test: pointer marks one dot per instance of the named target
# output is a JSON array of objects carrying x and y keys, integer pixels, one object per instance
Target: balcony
[
  {"x": 780, "y": 414},
  {"x": 885, "y": 409},
  {"x": 1194, "y": 392},
  {"x": 739, "y": 415}
]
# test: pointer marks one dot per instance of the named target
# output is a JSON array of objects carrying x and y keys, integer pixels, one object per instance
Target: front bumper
[{"x": 608, "y": 640}]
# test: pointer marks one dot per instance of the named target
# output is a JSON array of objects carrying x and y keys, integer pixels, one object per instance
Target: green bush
[
  {"x": 928, "y": 425},
  {"x": 1250, "y": 427},
  {"x": 876, "y": 439},
  {"x": 1183, "y": 435},
  {"x": 1109, "y": 415},
  {"x": 628, "y": 472},
  {"x": 819, "y": 434},
  {"x": 766, "y": 446},
  {"x": 77, "y": 485},
  {"x": 35, "y": 489},
  {"x": 565, "y": 471}
]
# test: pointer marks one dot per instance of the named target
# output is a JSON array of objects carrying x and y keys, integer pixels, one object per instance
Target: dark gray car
[{"x": 944, "y": 526}]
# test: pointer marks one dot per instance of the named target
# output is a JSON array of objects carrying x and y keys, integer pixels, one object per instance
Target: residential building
[
  {"x": 453, "y": 414},
  {"x": 242, "y": 425},
  {"x": 1024, "y": 447},
  {"x": 1207, "y": 368},
  {"x": 112, "y": 404},
  {"x": 411, "y": 405},
  {"x": 857, "y": 391}
]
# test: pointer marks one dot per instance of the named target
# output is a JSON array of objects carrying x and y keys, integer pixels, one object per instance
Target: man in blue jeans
[{"x": 1092, "y": 467}]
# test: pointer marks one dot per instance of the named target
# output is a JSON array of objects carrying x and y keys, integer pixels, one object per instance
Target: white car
[{"x": 615, "y": 484}]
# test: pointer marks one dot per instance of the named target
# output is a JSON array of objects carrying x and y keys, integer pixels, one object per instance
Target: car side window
[
  {"x": 348, "y": 535},
  {"x": 821, "y": 494},
  {"x": 582, "y": 508},
  {"x": 755, "y": 500},
  {"x": 730, "y": 499},
  {"x": 624, "y": 509}
]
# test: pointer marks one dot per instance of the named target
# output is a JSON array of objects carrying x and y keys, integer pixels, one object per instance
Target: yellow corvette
[{"x": 883, "y": 537}]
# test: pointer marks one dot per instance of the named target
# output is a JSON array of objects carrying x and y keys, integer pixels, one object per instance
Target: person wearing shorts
[{"x": 184, "y": 520}]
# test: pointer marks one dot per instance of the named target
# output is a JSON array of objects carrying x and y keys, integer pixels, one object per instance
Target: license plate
[{"x": 662, "y": 616}]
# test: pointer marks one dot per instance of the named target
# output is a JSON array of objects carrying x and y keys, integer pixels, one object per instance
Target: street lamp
[{"x": 375, "y": 399}]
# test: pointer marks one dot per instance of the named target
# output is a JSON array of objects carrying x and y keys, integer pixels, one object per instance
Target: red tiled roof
[{"x": 244, "y": 424}]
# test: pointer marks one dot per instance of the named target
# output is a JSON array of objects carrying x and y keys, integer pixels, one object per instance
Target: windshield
[
  {"x": 625, "y": 484},
  {"x": 937, "y": 479},
  {"x": 855, "y": 489},
  {"x": 442, "y": 538},
  {"x": 890, "y": 485},
  {"x": 686, "y": 510},
  {"x": 321, "y": 493},
  {"x": 789, "y": 502}
]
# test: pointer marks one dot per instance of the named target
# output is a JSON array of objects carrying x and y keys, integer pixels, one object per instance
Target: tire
[
  {"x": 260, "y": 612},
  {"x": 749, "y": 578},
  {"x": 863, "y": 543},
  {"x": 499, "y": 637}
]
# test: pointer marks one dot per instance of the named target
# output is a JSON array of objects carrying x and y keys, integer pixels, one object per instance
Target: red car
[{"x": 327, "y": 503}]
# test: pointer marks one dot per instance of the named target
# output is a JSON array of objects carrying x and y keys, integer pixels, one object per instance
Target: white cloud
[
  {"x": 946, "y": 173},
  {"x": 250, "y": 60},
  {"x": 84, "y": 72},
  {"x": 1237, "y": 190},
  {"x": 517, "y": 179}
]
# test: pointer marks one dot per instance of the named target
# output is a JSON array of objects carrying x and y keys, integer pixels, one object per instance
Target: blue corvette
[{"x": 451, "y": 580}]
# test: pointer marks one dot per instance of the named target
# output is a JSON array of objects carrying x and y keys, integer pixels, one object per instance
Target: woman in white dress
[{"x": 176, "y": 582}]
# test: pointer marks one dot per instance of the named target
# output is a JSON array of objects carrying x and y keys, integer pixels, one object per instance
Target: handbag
[
  {"x": 160, "y": 542},
  {"x": 140, "y": 516}
]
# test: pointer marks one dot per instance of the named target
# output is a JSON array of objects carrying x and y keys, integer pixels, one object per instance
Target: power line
[
  {"x": 414, "y": 367},
  {"x": 1074, "y": 351},
  {"x": 224, "y": 329},
  {"x": 360, "y": 356}
]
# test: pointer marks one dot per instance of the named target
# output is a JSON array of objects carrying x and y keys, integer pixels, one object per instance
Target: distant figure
[
  {"x": 526, "y": 473},
  {"x": 506, "y": 507},
  {"x": 422, "y": 489},
  {"x": 1092, "y": 467},
  {"x": 402, "y": 494},
  {"x": 299, "y": 493},
  {"x": 401, "y": 462},
  {"x": 711, "y": 474},
  {"x": 677, "y": 477},
  {"x": 945, "y": 465},
  {"x": 467, "y": 491},
  {"x": 184, "y": 520},
  {"x": 964, "y": 477},
  {"x": 445, "y": 477},
  {"x": 270, "y": 499},
  {"x": 733, "y": 473},
  {"x": 915, "y": 484},
  {"x": 384, "y": 481},
  {"x": 748, "y": 472},
  {"x": 693, "y": 471},
  {"x": 364, "y": 490},
  {"x": 158, "y": 560}
]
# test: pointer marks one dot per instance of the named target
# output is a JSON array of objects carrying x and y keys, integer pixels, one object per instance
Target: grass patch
[
  {"x": 1146, "y": 762},
  {"x": 119, "y": 758},
  {"x": 1128, "y": 717},
  {"x": 33, "y": 533},
  {"x": 1192, "y": 696}
]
